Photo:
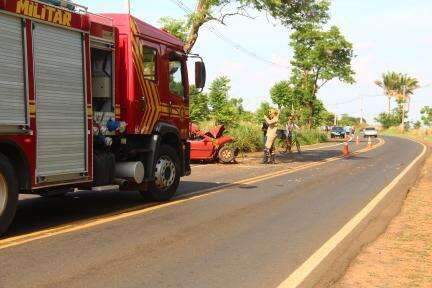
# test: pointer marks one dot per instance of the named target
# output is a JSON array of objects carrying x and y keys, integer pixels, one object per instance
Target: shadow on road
[
  {"x": 37, "y": 213},
  {"x": 307, "y": 156}
]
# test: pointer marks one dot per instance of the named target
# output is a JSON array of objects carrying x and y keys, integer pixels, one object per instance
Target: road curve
[{"x": 249, "y": 236}]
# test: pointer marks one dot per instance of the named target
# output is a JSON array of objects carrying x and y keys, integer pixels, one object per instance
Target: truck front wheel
[
  {"x": 8, "y": 193},
  {"x": 167, "y": 175}
]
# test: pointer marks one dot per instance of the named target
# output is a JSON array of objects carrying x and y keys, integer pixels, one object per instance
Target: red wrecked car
[{"x": 211, "y": 145}]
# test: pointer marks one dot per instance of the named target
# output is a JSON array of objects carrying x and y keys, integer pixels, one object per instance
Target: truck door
[
  {"x": 178, "y": 91},
  {"x": 60, "y": 104}
]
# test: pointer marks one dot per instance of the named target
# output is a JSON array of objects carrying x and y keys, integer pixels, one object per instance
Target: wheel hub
[
  {"x": 226, "y": 154},
  {"x": 3, "y": 193},
  {"x": 165, "y": 173}
]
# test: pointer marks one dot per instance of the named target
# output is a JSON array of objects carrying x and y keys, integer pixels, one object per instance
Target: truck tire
[
  {"x": 167, "y": 175},
  {"x": 8, "y": 193}
]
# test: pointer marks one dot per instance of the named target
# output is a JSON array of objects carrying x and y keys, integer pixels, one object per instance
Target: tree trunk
[
  {"x": 200, "y": 19},
  {"x": 389, "y": 104},
  {"x": 312, "y": 112},
  {"x": 402, "y": 127},
  {"x": 408, "y": 104}
]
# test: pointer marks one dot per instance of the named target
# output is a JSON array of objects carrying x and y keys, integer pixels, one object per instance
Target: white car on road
[{"x": 370, "y": 132}]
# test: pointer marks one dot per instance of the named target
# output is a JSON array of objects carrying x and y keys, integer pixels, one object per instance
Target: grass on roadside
[
  {"x": 423, "y": 134},
  {"x": 249, "y": 137},
  {"x": 309, "y": 137}
]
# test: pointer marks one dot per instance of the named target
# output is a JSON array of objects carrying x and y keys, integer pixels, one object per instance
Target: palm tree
[
  {"x": 390, "y": 83},
  {"x": 407, "y": 86}
]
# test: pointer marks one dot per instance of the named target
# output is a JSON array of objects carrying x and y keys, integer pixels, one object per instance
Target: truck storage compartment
[
  {"x": 102, "y": 85},
  {"x": 60, "y": 103},
  {"x": 12, "y": 72}
]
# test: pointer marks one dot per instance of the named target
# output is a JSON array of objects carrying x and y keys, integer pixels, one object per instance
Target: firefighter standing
[{"x": 272, "y": 121}]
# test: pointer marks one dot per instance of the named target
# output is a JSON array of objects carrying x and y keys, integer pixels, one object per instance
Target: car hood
[{"x": 217, "y": 131}]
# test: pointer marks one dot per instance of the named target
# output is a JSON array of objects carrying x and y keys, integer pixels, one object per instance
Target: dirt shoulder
[{"x": 402, "y": 256}]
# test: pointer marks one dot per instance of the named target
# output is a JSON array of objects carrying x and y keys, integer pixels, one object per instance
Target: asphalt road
[{"x": 246, "y": 235}]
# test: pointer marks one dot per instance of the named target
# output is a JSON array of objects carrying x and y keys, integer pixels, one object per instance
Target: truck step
[{"x": 106, "y": 188}]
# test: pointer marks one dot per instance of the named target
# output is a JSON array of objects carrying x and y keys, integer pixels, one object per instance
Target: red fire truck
[{"x": 89, "y": 102}]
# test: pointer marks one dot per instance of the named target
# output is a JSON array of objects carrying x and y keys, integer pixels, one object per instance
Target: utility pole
[
  {"x": 361, "y": 110},
  {"x": 335, "y": 116},
  {"x": 128, "y": 3}
]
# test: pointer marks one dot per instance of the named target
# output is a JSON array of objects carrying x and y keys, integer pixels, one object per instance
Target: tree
[
  {"x": 282, "y": 94},
  {"x": 390, "y": 84},
  {"x": 224, "y": 109},
  {"x": 407, "y": 86},
  {"x": 262, "y": 111},
  {"x": 327, "y": 118},
  {"x": 347, "y": 120},
  {"x": 388, "y": 120},
  {"x": 399, "y": 86},
  {"x": 199, "y": 106},
  {"x": 417, "y": 125},
  {"x": 291, "y": 13},
  {"x": 426, "y": 113},
  {"x": 393, "y": 119},
  {"x": 291, "y": 100},
  {"x": 176, "y": 27},
  {"x": 319, "y": 57}
]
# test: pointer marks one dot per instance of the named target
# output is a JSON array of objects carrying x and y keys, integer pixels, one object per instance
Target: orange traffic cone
[
  {"x": 358, "y": 140},
  {"x": 369, "y": 142},
  {"x": 345, "y": 150}
]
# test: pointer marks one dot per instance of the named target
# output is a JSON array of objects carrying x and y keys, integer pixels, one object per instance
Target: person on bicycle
[{"x": 291, "y": 127}]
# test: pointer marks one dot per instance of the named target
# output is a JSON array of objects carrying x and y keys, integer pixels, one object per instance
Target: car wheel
[
  {"x": 167, "y": 175},
  {"x": 226, "y": 155},
  {"x": 8, "y": 193}
]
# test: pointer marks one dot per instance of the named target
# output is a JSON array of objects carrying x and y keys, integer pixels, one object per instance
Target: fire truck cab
[{"x": 89, "y": 101}]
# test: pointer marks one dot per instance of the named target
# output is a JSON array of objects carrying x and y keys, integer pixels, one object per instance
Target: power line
[
  {"x": 425, "y": 86},
  {"x": 356, "y": 99},
  {"x": 227, "y": 40}
]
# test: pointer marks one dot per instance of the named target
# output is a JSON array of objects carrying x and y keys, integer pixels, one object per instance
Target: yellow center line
[
  {"x": 254, "y": 166},
  {"x": 148, "y": 208}
]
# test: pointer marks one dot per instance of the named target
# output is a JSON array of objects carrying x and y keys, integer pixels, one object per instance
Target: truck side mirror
[{"x": 200, "y": 75}]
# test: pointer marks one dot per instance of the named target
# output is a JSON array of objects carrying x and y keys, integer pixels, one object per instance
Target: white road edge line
[{"x": 302, "y": 272}]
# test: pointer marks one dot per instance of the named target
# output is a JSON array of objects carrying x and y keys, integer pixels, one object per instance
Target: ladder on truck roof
[{"x": 66, "y": 4}]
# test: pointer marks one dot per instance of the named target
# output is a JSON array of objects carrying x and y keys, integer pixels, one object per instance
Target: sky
[{"x": 387, "y": 35}]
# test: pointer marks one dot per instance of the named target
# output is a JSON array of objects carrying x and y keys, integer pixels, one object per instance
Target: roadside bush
[
  {"x": 248, "y": 137},
  {"x": 309, "y": 137},
  {"x": 206, "y": 125}
]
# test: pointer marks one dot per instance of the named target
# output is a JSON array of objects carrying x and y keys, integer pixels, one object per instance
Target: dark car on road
[{"x": 337, "y": 132}]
